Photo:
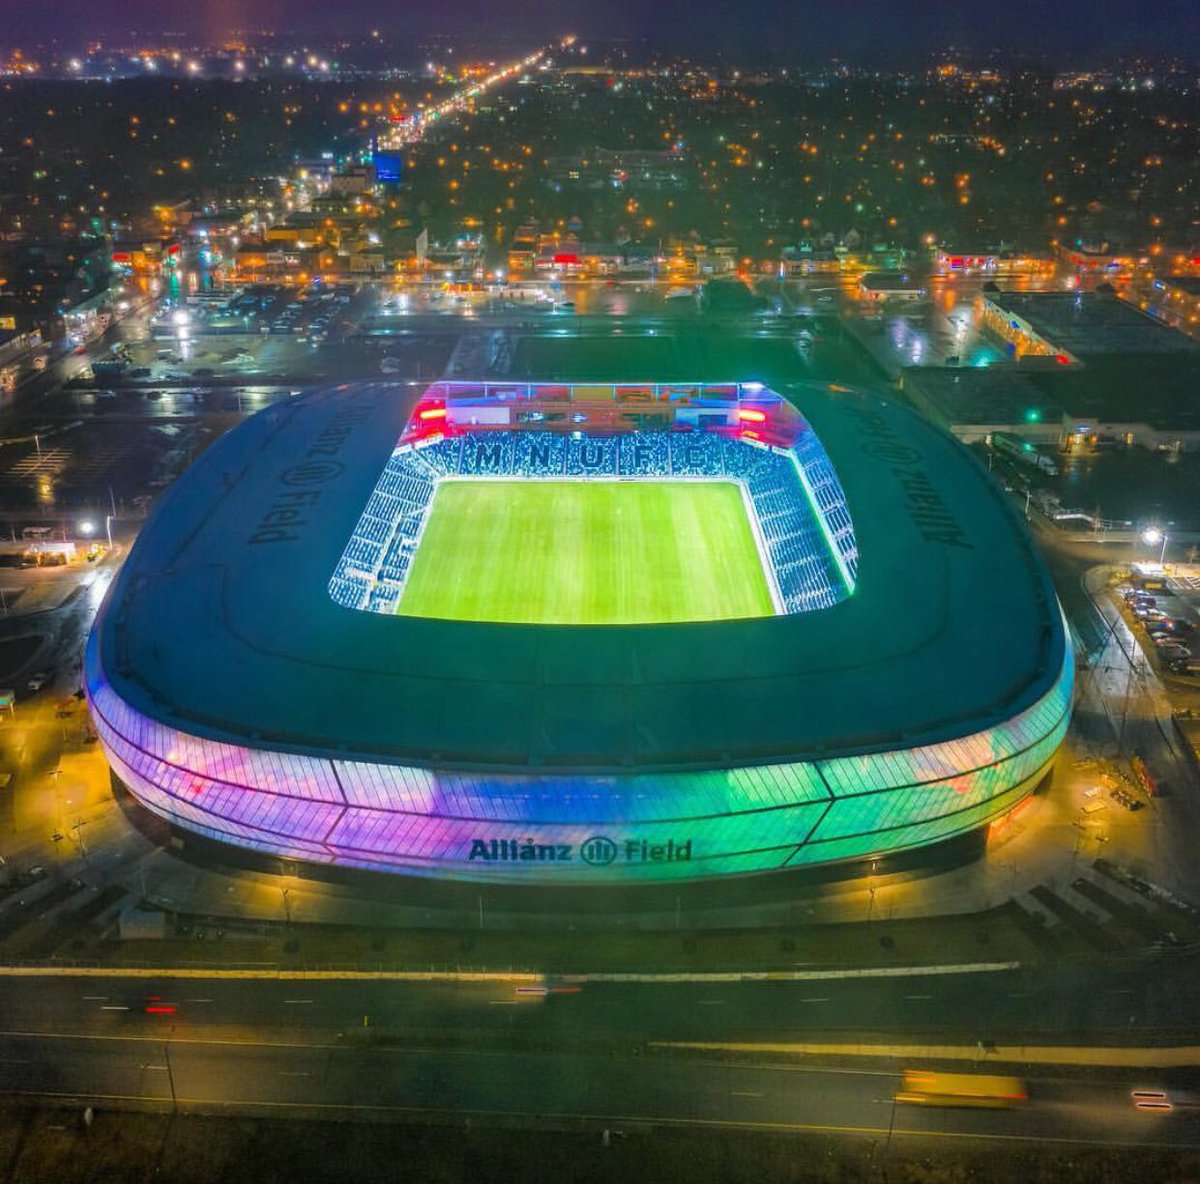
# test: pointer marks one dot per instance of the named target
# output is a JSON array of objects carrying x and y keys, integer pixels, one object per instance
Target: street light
[{"x": 1152, "y": 537}]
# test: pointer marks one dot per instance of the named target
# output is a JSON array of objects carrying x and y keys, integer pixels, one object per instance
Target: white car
[
  {"x": 1174, "y": 652},
  {"x": 39, "y": 680}
]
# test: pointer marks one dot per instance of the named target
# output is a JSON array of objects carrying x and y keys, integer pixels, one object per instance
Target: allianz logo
[{"x": 598, "y": 851}]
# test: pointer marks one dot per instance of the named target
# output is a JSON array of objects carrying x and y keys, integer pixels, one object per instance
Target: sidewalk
[
  {"x": 1177, "y": 1057},
  {"x": 1121, "y": 688}
]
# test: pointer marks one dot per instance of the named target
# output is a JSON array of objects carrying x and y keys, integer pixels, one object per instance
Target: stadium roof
[{"x": 220, "y": 624}]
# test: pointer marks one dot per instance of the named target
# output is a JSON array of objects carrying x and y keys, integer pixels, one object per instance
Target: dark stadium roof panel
[{"x": 220, "y": 622}]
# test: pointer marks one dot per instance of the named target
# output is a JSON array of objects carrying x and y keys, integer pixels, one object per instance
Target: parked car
[
  {"x": 1174, "y": 652},
  {"x": 38, "y": 681}
]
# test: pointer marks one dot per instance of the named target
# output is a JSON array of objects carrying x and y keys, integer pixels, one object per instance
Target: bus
[
  {"x": 1023, "y": 451},
  {"x": 928, "y": 1088}
]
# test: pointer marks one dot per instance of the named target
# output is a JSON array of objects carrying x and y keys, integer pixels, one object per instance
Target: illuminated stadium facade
[{"x": 256, "y": 678}]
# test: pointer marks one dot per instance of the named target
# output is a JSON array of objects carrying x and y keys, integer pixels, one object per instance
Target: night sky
[{"x": 1074, "y": 30}]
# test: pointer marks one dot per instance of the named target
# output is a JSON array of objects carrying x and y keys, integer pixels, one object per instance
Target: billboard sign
[{"x": 387, "y": 166}]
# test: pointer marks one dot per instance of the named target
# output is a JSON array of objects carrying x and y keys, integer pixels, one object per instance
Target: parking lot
[{"x": 1164, "y": 613}]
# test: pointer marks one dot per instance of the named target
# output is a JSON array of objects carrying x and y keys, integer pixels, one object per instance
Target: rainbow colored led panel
[{"x": 526, "y": 828}]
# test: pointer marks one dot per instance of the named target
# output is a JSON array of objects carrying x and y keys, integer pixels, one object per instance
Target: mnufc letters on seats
[{"x": 597, "y": 851}]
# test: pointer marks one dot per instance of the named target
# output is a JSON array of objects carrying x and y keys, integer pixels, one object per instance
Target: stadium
[{"x": 581, "y": 635}]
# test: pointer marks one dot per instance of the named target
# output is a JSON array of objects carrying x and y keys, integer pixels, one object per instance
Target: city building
[
  {"x": 993, "y": 262},
  {"x": 975, "y": 402},
  {"x": 1178, "y": 301},
  {"x": 879, "y": 287},
  {"x": 1090, "y": 368},
  {"x": 1072, "y": 326},
  {"x": 797, "y": 262}
]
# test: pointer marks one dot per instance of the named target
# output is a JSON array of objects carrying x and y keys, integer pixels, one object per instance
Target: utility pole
[
  {"x": 1129, "y": 674},
  {"x": 171, "y": 1079},
  {"x": 78, "y": 829}
]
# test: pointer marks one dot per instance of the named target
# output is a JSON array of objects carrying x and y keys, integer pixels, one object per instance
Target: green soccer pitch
[{"x": 587, "y": 553}]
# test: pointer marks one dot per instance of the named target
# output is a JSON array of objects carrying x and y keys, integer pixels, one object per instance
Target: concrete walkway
[{"x": 1177, "y": 1057}]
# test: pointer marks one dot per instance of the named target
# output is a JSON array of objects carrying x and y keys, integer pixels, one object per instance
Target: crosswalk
[
  {"x": 67, "y": 918},
  {"x": 54, "y": 462},
  {"x": 1105, "y": 909},
  {"x": 49, "y": 461}
]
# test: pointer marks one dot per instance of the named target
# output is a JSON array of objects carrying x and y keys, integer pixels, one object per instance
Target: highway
[
  {"x": 1057, "y": 1003},
  {"x": 553, "y": 1090},
  {"x": 260, "y": 1046},
  {"x": 523, "y": 1061}
]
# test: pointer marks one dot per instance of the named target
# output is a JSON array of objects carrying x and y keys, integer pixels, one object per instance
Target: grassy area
[
  {"x": 984, "y": 937},
  {"x": 42, "y": 1145},
  {"x": 587, "y": 553}
]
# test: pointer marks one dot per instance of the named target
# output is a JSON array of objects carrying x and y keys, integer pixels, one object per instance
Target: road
[
  {"x": 371, "y": 1049},
  {"x": 1069, "y": 1001}
]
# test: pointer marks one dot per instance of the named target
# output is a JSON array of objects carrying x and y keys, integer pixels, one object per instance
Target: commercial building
[
  {"x": 974, "y": 403},
  {"x": 879, "y": 287},
  {"x": 1076, "y": 325},
  {"x": 1090, "y": 367},
  {"x": 989, "y": 261}
]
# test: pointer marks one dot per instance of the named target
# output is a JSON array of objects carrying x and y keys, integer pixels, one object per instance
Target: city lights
[{"x": 619, "y": 591}]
